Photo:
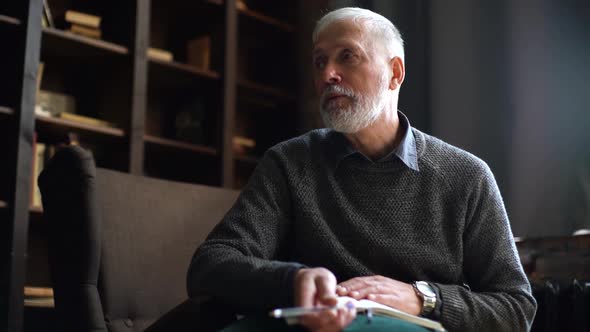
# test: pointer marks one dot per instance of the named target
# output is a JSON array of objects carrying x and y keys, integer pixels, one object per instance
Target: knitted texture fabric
[{"x": 303, "y": 207}]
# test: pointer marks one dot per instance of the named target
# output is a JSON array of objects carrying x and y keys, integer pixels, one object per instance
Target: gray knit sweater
[{"x": 445, "y": 224}]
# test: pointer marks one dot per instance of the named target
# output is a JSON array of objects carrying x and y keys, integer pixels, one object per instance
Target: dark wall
[
  {"x": 470, "y": 84},
  {"x": 510, "y": 83},
  {"x": 550, "y": 155}
]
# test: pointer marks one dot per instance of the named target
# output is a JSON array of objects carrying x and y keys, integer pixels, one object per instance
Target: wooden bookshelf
[
  {"x": 59, "y": 42},
  {"x": 113, "y": 79},
  {"x": 57, "y": 125},
  {"x": 9, "y": 20},
  {"x": 178, "y": 145}
]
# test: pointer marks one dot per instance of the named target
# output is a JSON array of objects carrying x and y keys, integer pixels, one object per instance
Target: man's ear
[{"x": 398, "y": 73}]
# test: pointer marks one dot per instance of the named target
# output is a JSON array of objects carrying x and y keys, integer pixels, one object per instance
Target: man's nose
[{"x": 331, "y": 75}]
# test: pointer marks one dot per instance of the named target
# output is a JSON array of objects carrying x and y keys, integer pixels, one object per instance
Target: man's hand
[
  {"x": 315, "y": 288},
  {"x": 386, "y": 291}
]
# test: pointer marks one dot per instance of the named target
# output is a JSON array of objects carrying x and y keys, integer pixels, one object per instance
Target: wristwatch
[{"x": 428, "y": 296}]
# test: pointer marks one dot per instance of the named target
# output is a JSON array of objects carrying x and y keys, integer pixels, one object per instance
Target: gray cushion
[{"x": 150, "y": 229}]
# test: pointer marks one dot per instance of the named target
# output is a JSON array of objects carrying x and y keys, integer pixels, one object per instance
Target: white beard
[{"x": 361, "y": 112}]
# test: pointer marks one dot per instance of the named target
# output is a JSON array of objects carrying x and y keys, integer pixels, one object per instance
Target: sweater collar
[{"x": 339, "y": 147}]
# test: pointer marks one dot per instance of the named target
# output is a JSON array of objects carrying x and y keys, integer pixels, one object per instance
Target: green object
[{"x": 361, "y": 323}]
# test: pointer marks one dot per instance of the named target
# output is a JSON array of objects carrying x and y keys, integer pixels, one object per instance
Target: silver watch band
[{"x": 428, "y": 296}]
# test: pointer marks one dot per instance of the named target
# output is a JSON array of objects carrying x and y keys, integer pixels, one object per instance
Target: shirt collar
[{"x": 339, "y": 147}]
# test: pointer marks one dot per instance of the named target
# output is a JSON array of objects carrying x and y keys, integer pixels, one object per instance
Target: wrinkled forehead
[{"x": 341, "y": 32}]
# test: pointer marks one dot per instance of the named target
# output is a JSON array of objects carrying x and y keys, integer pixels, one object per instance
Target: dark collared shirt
[{"x": 405, "y": 151}]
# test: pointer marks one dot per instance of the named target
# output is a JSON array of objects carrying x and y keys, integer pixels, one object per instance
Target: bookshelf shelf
[
  {"x": 64, "y": 126},
  {"x": 178, "y": 145},
  {"x": 61, "y": 42},
  {"x": 267, "y": 20},
  {"x": 36, "y": 210},
  {"x": 9, "y": 20},
  {"x": 6, "y": 110},
  {"x": 184, "y": 68},
  {"x": 35, "y": 220},
  {"x": 259, "y": 103},
  {"x": 265, "y": 89},
  {"x": 246, "y": 159}
]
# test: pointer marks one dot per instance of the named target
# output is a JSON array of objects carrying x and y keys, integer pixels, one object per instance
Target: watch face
[{"x": 425, "y": 289}]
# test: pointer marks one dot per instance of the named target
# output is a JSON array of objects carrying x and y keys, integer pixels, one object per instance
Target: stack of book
[
  {"x": 39, "y": 156},
  {"x": 160, "y": 54},
  {"x": 39, "y": 297},
  {"x": 59, "y": 105},
  {"x": 243, "y": 145},
  {"x": 84, "y": 24}
]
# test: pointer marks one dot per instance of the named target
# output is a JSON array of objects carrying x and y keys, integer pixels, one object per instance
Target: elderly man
[{"x": 370, "y": 208}]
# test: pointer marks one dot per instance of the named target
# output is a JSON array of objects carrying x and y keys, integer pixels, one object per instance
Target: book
[
  {"x": 55, "y": 103},
  {"x": 159, "y": 54},
  {"x": 84, "y": 119},
  {"x": 243, "y": 145},
  {"x": 38, "y": 291},
  {"x": 38, "y": 164},
  {"x": 46, "y": 16},
  {"x": 41, "y": 302},
  {"x": 85, "y": 31},
  {"x": 361, "y": 306},
  {"x": 198, "y": 52},
  {"x": 241, "y": 5},
  {"x": 244, "y": 141},
  {"x": 84, "y": 19},
  {"x": 40, "y": 70}
]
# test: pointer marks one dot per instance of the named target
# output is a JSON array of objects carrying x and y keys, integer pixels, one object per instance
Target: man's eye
[
  {"x": 347, "y": 55},
  {"x": 320, "y": 63}
]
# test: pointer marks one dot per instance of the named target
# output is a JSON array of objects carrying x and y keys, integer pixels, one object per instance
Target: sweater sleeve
[
  {"x": 240, "y": 261},
  {"x": 500, "y": 297}
]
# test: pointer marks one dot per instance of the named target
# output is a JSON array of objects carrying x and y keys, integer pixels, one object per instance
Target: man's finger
[
  {"x": 376, "y": 289},
  {"x": 345, "y": 317},
  {"x": 355, "y": 284},
  {"x": 326, "y": 290},
  {"x": 305, "y": 292}
]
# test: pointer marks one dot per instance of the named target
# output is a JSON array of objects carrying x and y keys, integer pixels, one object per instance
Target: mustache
[{"x": 337, "y": 89}]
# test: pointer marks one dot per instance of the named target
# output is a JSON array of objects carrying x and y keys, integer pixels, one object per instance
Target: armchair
[{"x": 120, "y": 246}]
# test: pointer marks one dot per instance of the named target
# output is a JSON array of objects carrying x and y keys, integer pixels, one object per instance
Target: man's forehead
[
  {"x": 335, "y": 44},
  {"x": 343, "y": 33}
]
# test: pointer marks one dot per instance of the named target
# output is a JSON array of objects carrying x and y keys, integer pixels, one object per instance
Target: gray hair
[{"x": 384, "y": 32}]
